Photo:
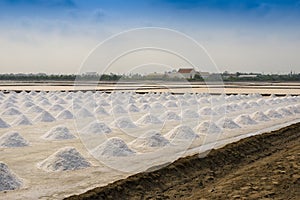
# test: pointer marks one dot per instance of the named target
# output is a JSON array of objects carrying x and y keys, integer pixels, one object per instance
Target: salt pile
[
  {"x": 124, "y": 122},
  {"x": 253, "y": 104},
  {"x": 157, "y": 105},
  {"x": 83, "y": 113},
  {"x": 118, "y": 109},
  {"x": 56, "y": 107},
  {"x": 35, "y": 109},
  {"x": 284, "y": 111},
  {"x": 192, "y": 102},
  {"x": 244, "y": 120},
  {"x": 11, "y": 111},
  {"x": 65, "y": 159},
  {"x": 208, "y": 127},
  {"x": 8, "y": 180},
  {"x": 220, "y": 109},
  {"x": 12, "y": 139},
  {"x": 149, "y": 119},
  {"x": 3, "y": 124},
  {"x": 170, "y": 116},
  {"x": 190, "y": 114},
  {"x": 260, "y": 116},
  {"x": 8, "y": 105},
  {"x": 273, "y": 114},
  {"x": 181, "y": 132},
  {"x": 150, "y": 139},
  {"x": 261, "y": 102},
  {"x": 228, "y": 124},
  {"x": 103, "y": 102},
  {"x": 115, "y": 147},
  {"x": 146, "y": 107},
  {"x": 61, "y": 101},
  {"x": 45, "y": 102},
  {"x": 58, "y": 133},
  {"x": 28, "y": 104},
  {"x": 171, "y": 104},
  {"x": 133, "y": 108},
  {"x": 244, "y": 105},
  {"x": 22, "y": 120},
  {"x": 184, "y": 103},
  {"x": 101, "y": 111},
  {"x": 202, "y": 101},
  {"x": 206, "y": 111},
  {"x": 44, "y": 117},
  {"x": 294, "y": 109},
  {"x": 96, "y": 128},
  {"x": 65, "y": 114}
]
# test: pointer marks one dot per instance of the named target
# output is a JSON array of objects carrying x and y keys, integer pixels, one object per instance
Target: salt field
[{"x": 55, "y": 144}]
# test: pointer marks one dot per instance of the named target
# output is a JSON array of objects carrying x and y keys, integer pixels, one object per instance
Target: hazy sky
[{"x": 55, "y": 36}]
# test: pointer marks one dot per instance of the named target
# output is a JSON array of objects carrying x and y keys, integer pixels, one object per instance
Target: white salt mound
[
  {"x": 97, "y": 128},
  {"x": 157, "y": 105},
  {"x": 284, "y": 111},
  {"x": 190, "y": 114},
  {"x": 44, "y": 117},
  {"x": 35, "y": 109},
  {"x": 8, "y": 180},
  {"x": 3, "y": 124},
  {"x": 260, "y": 116},
  {"x": 117, "y": 109},
  {"x": 11, "y": 111},
  {"x": 65, "y": 159},
  {"x": 58, "y": 133},
  {"x": 12, "y": 139},
  {"x": 149, "y": 119},
  {"x": 133, "y": 108},
  {"x": 115, "y": 147},
  {"x": 181, "y": 132},
  {"x": 245, "y": 120},
  {"x": 273, "y": 114},
  {"x": 124, "y": 122},
  {"x": 208, "y": 127},
  {"x": 56, "y": 107},
  {"x": 65, "y": 114},
  {"x": 206, "y": 111},
  {"x": 28, "y": 104},
  {"x": 146, "y": 107},
  {"x": 101, "y": 111},
  {"x": 22, "y": 121},
  {"x": 171, "y": 104},
  {"x": 83, "y": 112},
  {"x": 170, "y": 116},
  {"x": 228, "y": 124},
  {"x": 150, "y": 139}
]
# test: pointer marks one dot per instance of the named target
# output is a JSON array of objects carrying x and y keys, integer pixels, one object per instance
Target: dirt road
[{"x": 260, "y": 167}]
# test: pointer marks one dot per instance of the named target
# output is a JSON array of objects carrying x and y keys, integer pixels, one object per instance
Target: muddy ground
[{"x": 266, "y": 166}]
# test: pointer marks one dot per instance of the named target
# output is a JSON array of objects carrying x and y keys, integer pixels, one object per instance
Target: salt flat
[{"x": 104, "y": 137}]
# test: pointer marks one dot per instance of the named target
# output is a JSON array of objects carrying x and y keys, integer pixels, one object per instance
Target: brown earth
[{"x": 266, "y": 166}]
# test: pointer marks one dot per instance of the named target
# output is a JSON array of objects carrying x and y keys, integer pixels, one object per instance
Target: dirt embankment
[{"x": 261, "y": 167}]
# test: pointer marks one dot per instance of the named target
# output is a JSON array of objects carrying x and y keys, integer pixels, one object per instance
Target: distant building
[{"x": 187, "y": 72}]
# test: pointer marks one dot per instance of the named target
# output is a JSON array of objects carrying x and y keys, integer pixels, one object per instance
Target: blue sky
[{"x": 55, "y": 36}]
